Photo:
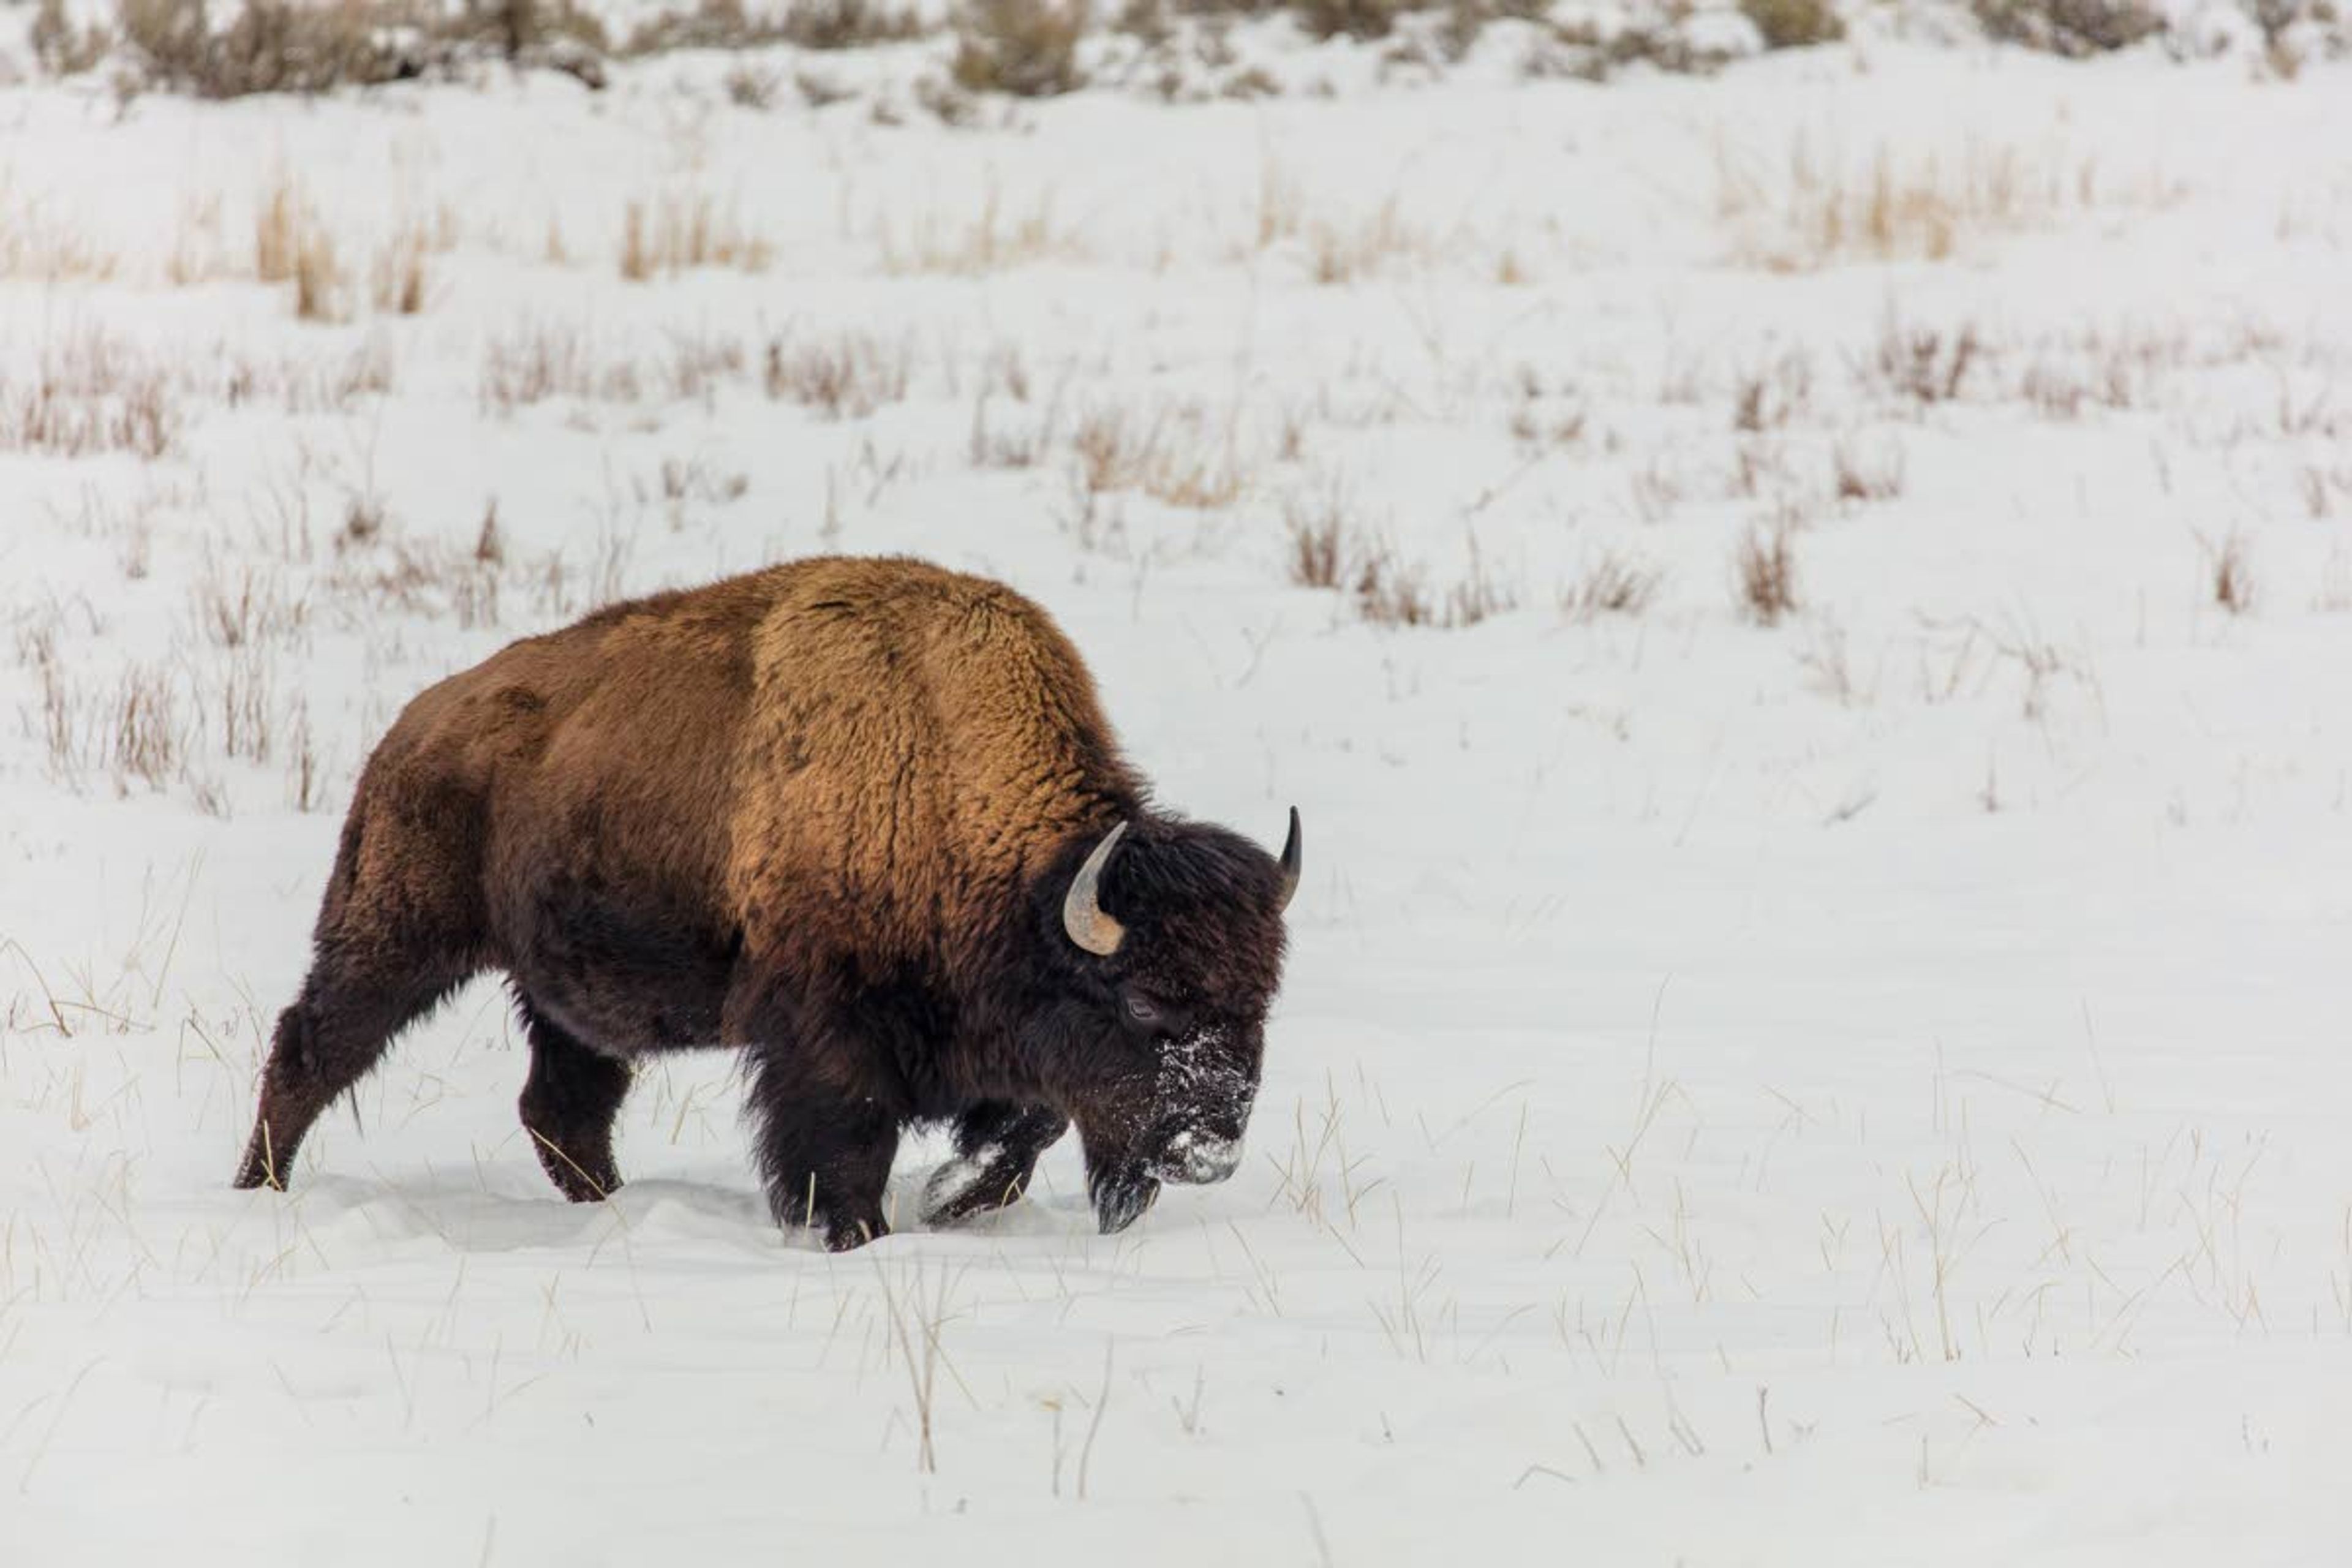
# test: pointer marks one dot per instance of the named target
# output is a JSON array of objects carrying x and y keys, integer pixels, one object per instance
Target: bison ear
[
  {"x": 1082, "y": 911},
  {"x": 1290, "y": 868}
]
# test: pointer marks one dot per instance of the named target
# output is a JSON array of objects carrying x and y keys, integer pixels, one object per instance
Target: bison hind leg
[
  {"x": 568, "y": 1107},
  {"x": 997, "y": 1147}
]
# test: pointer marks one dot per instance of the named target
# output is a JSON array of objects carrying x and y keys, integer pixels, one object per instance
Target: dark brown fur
[{"x": 825, "y": 813}]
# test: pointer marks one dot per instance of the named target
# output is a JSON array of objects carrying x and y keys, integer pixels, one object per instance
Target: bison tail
[{"x": 343, "y": 880}]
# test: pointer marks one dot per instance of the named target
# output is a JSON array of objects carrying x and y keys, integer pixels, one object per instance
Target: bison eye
[{"x": 1141, "y": 1009}]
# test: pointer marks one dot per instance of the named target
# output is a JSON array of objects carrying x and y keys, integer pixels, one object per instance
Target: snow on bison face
[{"x": 1181, "y": 932}]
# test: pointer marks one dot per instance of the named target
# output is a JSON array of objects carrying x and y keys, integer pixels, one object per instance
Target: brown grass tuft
[
  {"x": 277, "y": 232},
  {"x": 1345, "y": 252},
  {"x": 399, "y": 276},
  {"x": 1793, "y": 23},
  {"x": 1876, "y": 476},
  {"x": 753, "y": 87},
  {"x": 2229, "y": 571},
  {"x": 59, "y": 47},
  {"x": 1765, "y": 574},
  {"x": 1923, "y": 363},
  {"x": 1025, "y": 47},
  {"x": 2074, "y": 28},
  {"x": 1612, "y": 584},
  {"x": 1175, "y": 458},
  {"x": 679, "y": 232},
  {"x": 1318, "y": 546},
  {"x": 147, "y": 728},
  {"x": 851, "y": 375},
  {"x": 1356, "y": 19},
  {"x": 320, "y": 281}
]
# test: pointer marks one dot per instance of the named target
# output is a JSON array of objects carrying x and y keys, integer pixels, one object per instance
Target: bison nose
[{"x": 1198, "y": 1158}]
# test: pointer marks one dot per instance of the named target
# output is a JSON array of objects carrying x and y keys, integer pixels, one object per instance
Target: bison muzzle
[{"x": 863, "y": 820}]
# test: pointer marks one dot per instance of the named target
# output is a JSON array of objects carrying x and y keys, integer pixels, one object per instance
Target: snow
[{"x": 1866, "y": 1088}]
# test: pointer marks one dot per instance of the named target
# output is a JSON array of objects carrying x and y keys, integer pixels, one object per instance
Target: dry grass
[
  {"x": 60, "y": 49},
  {"x": 992, "y": 239},
  {"x": 1388, "y": 591},
  {"x": 1327, "y": 549},
  {"x": 318, "y": 46},
  {"x": 2074, "y": 28},
  {"x": 1612, "y": 584},
  {"x": 534, "y": 363},
  {"x": 1764, "y": 574},
  {"x": 1586, "y": 51},
  {"x": 1924, "y": 364},
  {"x": 806, "y": 23},
  {"x": 290, "y": 244},
  {"x": 399, "y": 276},
  {"x": 243, "y": 701},
  {"x": 1813, "y": 211},
  {"x": 819, "y": 91},
  {"x": 321, "y": 287},
  {"x": 1770, "y": 396},
  {"x": 146, "y": 728},
  {"x": 849, "y": 23},
  {"x": 2321, "y": 488},
  {"x": 753, "y": 87},
  {"x": 699, "y": 362},
  {"x": 2229, "y": 572},
  {"x": 538, "y": 361},
  {"x": 1793, "y": 23},
  {"x": 277, "y": 232},
  {"x": 1345, "y": 252},
  {"x": 1351, "y": 18},
  {"x": 1831, "y": 670},
  {"x": 679, "y": 231},
  {"x": 994, "y": 447},
  {"x": 40, "y": 246},
  {"x": 2335, "y": 595},
  {"x": 133, "y": 413},
  {"x": 1317, "y": 546},
  {"x": 273, "y": 46},
  {"x": 1860, "y": 476},
  {"x": 332, "y": 384},
  {"x": 200, "y": 249},
  {"x": 848, "y": 377},
  {"x": 1025, "y": 47},
  {"x": 246, "y": 610},
  {"x": 1175, "y": 456},
  {"x": 1280, "y": 210}
]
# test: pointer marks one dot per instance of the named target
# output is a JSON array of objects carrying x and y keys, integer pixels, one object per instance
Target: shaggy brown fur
[{"x": 825, "y": 813}]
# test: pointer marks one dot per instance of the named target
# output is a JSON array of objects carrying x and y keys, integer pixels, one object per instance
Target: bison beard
[{"x": 863, "y": 820}]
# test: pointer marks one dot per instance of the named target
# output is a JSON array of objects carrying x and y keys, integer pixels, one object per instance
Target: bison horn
[
  {"x": 1290, "y": 861},
  {"x": 1082, "y": 911}
]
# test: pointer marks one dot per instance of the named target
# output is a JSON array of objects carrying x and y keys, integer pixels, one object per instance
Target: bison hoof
[
  {"x": 849, "y": 1236},
  {"x": 588, "y": 1181},
  {"x": 975, "y": 1185},
  {"x": 1120, "y": 1199},
  {"x": 256, "y": 1170}
]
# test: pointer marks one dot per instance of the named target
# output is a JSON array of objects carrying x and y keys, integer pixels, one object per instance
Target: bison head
[{"x": 1170, "y": 947}]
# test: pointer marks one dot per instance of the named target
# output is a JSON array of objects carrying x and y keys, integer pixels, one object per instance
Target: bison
[{"x": 863, "y": 820}]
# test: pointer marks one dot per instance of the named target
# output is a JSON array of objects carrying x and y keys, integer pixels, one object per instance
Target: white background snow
[{"x": 1870, "y": 1089}]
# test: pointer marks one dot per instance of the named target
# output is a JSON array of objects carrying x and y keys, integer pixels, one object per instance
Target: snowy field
[{"x": 1808, "y": 614}]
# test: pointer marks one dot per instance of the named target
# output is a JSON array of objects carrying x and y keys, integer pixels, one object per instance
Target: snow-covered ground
[{"x": 1870, "y": 1088}]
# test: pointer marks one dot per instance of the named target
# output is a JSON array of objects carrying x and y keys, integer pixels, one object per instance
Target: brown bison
[{"x": 863, "y": 819}]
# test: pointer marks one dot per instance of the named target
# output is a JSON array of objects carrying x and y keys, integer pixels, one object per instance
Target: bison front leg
[
  {"x": 826, "y": 1156},
  {"x": 997, "y": 1146}
]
